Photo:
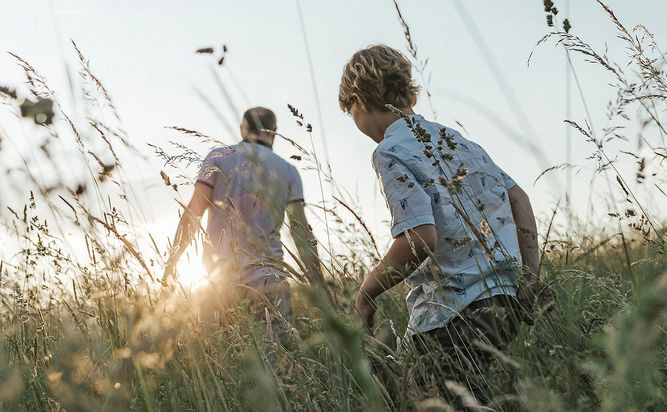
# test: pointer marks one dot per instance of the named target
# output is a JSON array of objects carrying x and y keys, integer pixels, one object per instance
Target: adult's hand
[{"x": 169, "y": 272}]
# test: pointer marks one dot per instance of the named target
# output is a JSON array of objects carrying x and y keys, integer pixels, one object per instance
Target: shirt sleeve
[
  {"x": 408, "y": 202},
  {"x": 209, "y": 171},
  {"x": 295, "y": 187},
  {"x": 508, "y": 182}
]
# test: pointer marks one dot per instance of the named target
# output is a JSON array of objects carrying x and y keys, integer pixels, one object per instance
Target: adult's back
[
  {"x": 251, "y": 188},
  {"x": 246, "y": 189}
]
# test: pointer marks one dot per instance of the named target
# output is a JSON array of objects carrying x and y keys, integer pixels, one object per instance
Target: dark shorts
[{"x": 464, "y": 349}]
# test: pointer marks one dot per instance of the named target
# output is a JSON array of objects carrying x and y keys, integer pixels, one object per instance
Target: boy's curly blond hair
[{"x": 379, "y": 74}]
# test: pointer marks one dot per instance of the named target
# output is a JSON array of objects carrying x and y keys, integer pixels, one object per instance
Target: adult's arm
[
  {"x": 304, "y": 240},
  {"x": 188, "y": 225}
]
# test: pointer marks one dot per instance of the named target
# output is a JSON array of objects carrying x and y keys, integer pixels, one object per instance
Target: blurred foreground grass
[{"x": 100, "y": 333}]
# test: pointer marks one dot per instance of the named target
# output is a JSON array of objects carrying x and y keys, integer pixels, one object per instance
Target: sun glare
[{"x": 191, "y": 272}]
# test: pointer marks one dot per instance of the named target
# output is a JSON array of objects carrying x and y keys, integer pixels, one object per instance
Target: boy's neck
[{"x": 384, "y": 119}]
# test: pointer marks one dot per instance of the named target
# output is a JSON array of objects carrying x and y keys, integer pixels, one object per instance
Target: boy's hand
[
  {"x": 365, "y": 306},
  {"x": 531, "y": 293}
]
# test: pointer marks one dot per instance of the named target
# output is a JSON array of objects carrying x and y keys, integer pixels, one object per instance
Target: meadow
[{"x": 103, "y": 333}]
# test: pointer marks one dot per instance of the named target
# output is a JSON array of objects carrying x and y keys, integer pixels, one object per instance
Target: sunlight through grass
[{"x": 191, "y": 272}]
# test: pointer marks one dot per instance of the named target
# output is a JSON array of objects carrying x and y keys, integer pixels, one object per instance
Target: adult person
[{"x": 247, "y": 189}]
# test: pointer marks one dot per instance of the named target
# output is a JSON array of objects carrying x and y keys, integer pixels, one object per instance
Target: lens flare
[{"x": 191, "y": 272}]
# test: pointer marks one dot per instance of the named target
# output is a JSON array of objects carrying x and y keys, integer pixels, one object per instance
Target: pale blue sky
[{"x": 144, "y": 53}]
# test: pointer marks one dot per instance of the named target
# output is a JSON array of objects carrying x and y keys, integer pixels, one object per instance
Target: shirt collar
[
  {"x": 259, "y": 142},
  {"x": 400, "y": 122}
]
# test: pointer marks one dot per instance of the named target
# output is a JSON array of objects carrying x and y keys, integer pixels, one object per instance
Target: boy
[{"x": 461, "y": 226}]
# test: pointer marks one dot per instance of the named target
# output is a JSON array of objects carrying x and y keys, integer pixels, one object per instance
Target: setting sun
[{"x": 191, "y": 272}]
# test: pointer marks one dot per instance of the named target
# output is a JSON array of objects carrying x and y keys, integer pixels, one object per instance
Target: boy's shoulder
[
  {"x": 397, "y": 137},
  {"x": 400, "y": 140},
  {"x": 463, "y": 144},
  {"x": 401, "y": 145},
  {"x": 400, "y": 133}
]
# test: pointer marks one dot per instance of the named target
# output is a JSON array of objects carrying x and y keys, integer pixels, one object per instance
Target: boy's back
[{"x": 477, "y": 253}]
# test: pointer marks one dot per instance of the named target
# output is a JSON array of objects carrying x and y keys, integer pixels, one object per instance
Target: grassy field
[{"x": 100, "y": 333}]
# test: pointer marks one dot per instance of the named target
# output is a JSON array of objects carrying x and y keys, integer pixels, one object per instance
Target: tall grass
[{"x": 97, "y": 331}]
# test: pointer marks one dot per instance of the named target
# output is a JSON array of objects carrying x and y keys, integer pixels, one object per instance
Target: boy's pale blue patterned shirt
[{"x": 462, "y": 270}]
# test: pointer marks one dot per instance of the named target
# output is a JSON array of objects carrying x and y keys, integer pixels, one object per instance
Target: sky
[{"x": 477, "y": 51}]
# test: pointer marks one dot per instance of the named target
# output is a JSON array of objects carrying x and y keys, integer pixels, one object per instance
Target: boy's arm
[
  {"x": 306, "y": 244},
  {"x": 532, "y": 288},
  {"x": 404, "y": 255},
  {"x": 526, "y": 227},
  {"x": 412, "y": 226},
  {"x": 187, "y": 226}
]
